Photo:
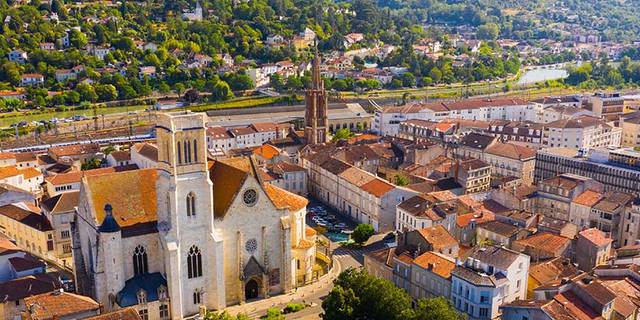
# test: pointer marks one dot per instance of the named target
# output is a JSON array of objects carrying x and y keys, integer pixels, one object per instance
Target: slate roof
[
  {"x": 21, "y": 288},
  {"x": 149, "y": 282},
  {"x": 477, "y": 141}
]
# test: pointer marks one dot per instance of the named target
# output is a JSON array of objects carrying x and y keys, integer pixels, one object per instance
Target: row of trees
[{"x": 602, "y": 73}]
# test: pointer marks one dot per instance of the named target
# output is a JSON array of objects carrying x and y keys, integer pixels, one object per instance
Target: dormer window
[
  {"x": 142, "y": 296},
  {"x": 162, "y": 293}
]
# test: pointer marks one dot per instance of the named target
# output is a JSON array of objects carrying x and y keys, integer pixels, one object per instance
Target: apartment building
[
  {"x": 387, "y": 120},
  {"x": 593, "y": 248},
  {"x": 256, "y": 134},
  {"x": 555, "y": 195},
  {"x": 474, "y": 175},
  {"x": 608, "y": 106},
  {"x": 511, "y": 160},
  {"x": 583, "y": 133},
  {"x": 425, "y": 210},
  {"x": 31, "y": 230},
  {"x": 489, "y": 277},
  {"x": 630, "y": 124},
  {"x": 353, "y": 191},
  {"x": 616, "y": 169},
  {"x": 523, "y": 133}
]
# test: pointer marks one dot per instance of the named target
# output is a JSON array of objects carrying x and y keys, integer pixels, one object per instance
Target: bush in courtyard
[{"x": 362, "y": 233}]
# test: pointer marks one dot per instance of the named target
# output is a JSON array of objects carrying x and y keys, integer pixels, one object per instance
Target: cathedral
[
  {"x": 316, "y": 116},
  {"x": 192, "y": 233}
]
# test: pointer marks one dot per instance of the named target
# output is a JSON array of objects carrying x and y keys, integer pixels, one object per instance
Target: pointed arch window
[
  {"x": 195, "y": 150},
  {"x": 179, "y": 154},
  {"x": 194, "y": 263},
  {"x": 185, "y": 145},
  {"x": 140, "y": 265},
  {"x": 191, "y": 204}
]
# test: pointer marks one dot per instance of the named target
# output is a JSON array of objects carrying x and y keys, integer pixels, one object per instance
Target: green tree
[
  {"x": 341, "y": 134},
  {"x": 436, "y": 308},
  {"x": 78, "y": 39},
  {"x": 106, "y": 92},
  {"x": 401, "y": 180},
  {"x": 358, "y": 295},
  {"x": 93, "y": 163},
  {"x": 86, "y": 92},
  {"x": 408, "y": 79},
  {"x": 488, "y": 31},
  {"x": 362, "y": 233},
  {"x": 221, "y": 91}
]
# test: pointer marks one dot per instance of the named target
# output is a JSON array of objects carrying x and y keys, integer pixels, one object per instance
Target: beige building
[
  {"x": 630, "y": 124},
  {"x": 555, "y": 195},
  {"x": 473, "y": 175},
  {"x": 60, "y": 211},
  {"x": 431, "y": 275},
  {"x": 30, "y": 229},
  {"x": 593, "y": 249},
  {"x": 583, "y": 132},
  {"x": 354, "y": 192},
  {"x": 511, "y": 160}
]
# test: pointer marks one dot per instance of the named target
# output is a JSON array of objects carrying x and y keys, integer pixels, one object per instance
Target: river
[{"x": 538, "y": 75}]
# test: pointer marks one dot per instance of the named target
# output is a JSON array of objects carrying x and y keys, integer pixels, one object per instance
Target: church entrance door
[{"x": 251, "y": 289}]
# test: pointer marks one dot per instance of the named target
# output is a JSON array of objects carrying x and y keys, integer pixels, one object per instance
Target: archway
[{"x": 251, "y": 289}]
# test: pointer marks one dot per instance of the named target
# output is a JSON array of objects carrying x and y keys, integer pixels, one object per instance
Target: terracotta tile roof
[
  {"x": 596, "y": 237},
  {"x": 557, "y": 311},
  {"x": 588, "y": 198},
  {"x": 562, "y": 182},
  {"x": 445, "y": 195},
  {"x": 624, "y": 307},
  {"x": 551, "y": 272},
  {"x": 22, "y": 214},
  {"x": 61, "y": 203},
  {"x": 357, "y": 176},
  {"x": 612, "y": 202},
  {"x": 242, "y": 131},
  {"x": 473, "y": 164},
  {"x": 599, "y": 292},
  {"x": 309, "y": 232},
  {"x": 227, "y": 176},
  {"x": 511, "y": 150},
  {"x": 76, "y": 176},
  {"x": 54, "y": 305},
  {"x": 436, "y": 263},
  {"x": 501, "y": 228},
  {"x": 264, "y": 126},
  {"x": 9, "y": 171},
  {"x": 219, "y": 133},
  {"x": 7, "y": 246},
  {"x": 377, "y": 187},
  {"x": 267, "y": 151},
  {"x": 363, "y": 137},
  {"x": 545, "y": 241},
  {"x": 7, "y": 155},
  {"x": 335, "y": 166},
  {"x": 405, "y": 257},
  {"x": 131, "y": 194},
  {"x": 284, "y": 199},
  {"x": 76, "y": 149},
  {"x": 384, "y": 256},
  {"x": 28, "y": 286},
  {"x": 438, "y": 237},
  {"x": 120, "y": 156},
  {"x": 30, "y": 172},
  {"x": 484, "y": 103},
  {"x": 305, "y": 244},
  {"x": 479, "y": 217},
  {"x": 288, "y": 167},
  {"x": 128, "y": 313},
  {"x": 579, "y": 122},
  {"x": 147, "y": 150}
]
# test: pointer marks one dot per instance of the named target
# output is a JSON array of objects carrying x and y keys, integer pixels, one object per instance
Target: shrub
[
  {"x": 293, "y": 307},
  {"x": 362, "y": 233}
]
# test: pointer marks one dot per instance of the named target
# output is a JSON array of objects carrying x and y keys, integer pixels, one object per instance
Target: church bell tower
[{"x": 315, "y": 117}]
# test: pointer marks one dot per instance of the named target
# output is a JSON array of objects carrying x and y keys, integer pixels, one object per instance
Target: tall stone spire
[{"x": 315, "y": 118}]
